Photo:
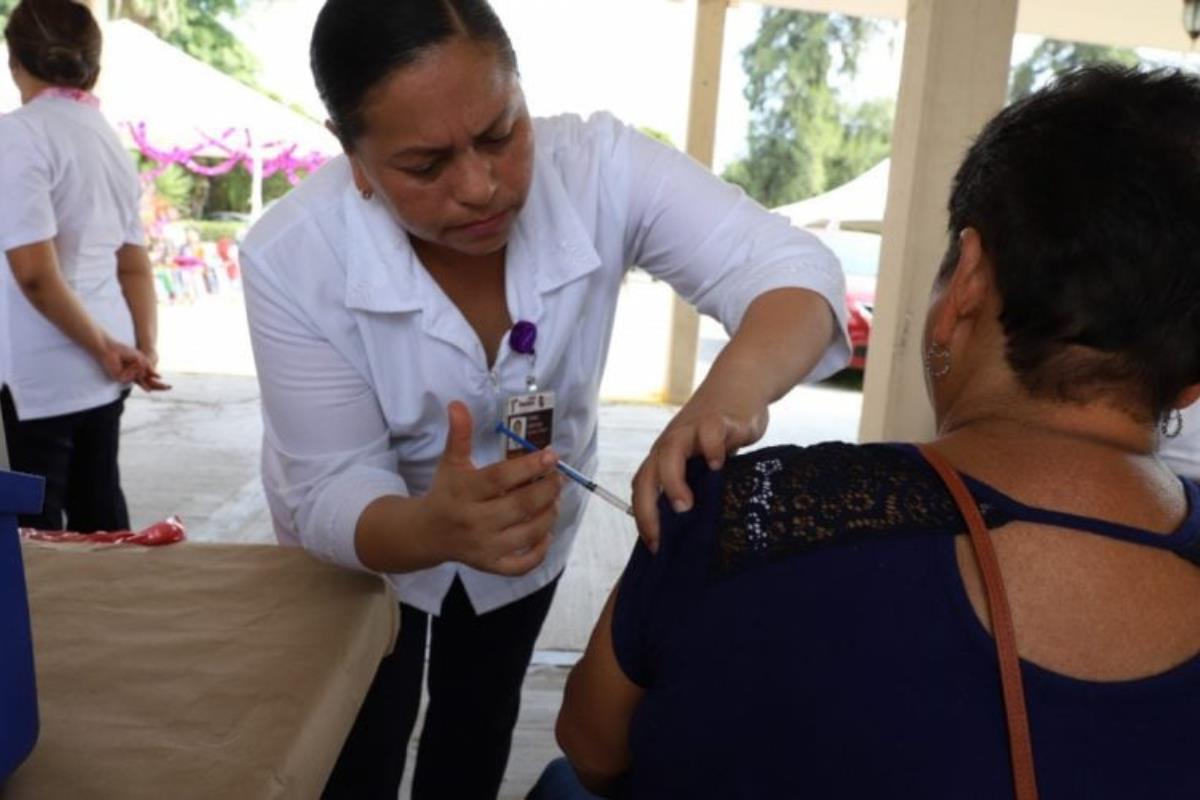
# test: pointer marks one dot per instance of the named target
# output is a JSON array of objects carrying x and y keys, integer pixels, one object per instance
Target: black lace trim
[{"x": 786, "y": 500}]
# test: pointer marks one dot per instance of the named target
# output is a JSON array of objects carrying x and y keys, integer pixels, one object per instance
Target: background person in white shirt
[
  {"x": 385, "y": 295},
  {"x": 80, "y": 323}
]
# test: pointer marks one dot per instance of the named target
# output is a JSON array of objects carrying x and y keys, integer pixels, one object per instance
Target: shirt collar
[{"x": 381, "y": 268}]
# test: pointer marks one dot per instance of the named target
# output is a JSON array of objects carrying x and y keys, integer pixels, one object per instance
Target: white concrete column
[
  {"x": 954, "y": 77},
  {"x": 701, "y": 139}
]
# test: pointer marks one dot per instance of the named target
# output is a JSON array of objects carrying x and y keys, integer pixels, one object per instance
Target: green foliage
[
  {"x": 194, "y": 26},
  {"x": 231, "y": 191},
  {"x": 175, "y": 185},
  {"x": 866, "y": 140},
  {"x": 803, "y": 137},
  {"x": 654, "y": 133},
  {"x": 213, "y": 230},
  {"x": 1053, "y": 57}
]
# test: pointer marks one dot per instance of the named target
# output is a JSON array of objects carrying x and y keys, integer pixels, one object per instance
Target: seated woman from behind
[{"x": 816, "y": 626}]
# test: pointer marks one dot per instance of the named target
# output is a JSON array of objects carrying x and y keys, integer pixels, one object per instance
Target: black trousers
[
  {"x": 77, "y": 455},
  {"x": 477, "y": 663}
]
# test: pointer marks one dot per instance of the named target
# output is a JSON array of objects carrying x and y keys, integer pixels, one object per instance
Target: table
[{"x": 195, "y": 670}]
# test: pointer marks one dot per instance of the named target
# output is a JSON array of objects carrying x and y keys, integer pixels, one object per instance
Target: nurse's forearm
[
  {"x": 781, "y": 338},
  {"x": 35, "y": 269},
  {"x": 136, "y": 276},
  {"x": 394, "y": 535}
]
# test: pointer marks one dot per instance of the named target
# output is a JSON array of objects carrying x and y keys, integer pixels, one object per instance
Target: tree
[
  {"x": 1053, "y": 57},
  {"x": 803, "y": 137},
  {"x": 194, "y": 26}
]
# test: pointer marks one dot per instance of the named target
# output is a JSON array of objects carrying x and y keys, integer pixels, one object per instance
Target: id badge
[{"x": 530, "y": 416}]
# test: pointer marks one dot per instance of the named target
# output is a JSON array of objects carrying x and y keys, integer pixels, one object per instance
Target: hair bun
[{"x": 64, "y": 64}]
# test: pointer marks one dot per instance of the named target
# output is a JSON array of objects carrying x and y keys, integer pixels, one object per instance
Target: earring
[
  {"x": 937, "y": 360},
  {"x": 1171, "y": 424},
  {"x": 367, "y": 193}
]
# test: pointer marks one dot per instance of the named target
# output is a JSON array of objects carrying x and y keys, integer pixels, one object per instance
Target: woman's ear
[
  {"x": 971, "y": 282},
  {"x": 360, "y": 177},
  {"x": 965, "y": 290}
]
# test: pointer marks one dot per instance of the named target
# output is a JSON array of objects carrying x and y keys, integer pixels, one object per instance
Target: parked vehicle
[{"x": 859, "y": 254}]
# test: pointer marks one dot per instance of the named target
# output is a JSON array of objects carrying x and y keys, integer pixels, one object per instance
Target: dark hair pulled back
[
  {"x": 1085, "y": 196},
  {"x": 356, "y": 44},
  {"x": 56, "y": 41}
]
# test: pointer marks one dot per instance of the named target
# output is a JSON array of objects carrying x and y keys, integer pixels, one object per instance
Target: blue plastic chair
[{"x": 19, "y": 494}]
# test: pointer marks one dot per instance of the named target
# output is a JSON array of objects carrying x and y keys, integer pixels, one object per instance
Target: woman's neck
[
  {"x": 1091, "y": 426},
  {"x": 28, "y": 86}
]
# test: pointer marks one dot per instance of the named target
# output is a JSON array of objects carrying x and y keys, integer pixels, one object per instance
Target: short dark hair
[
  {"x": 356, "y": 44},
  {"x": 56, "y": 41},
  {"x": 1086, "y": 196}
]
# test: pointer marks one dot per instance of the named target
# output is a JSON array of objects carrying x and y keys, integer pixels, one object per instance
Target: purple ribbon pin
[{"x": 523, "y": 337}]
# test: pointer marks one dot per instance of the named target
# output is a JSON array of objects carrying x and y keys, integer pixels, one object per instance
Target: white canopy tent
[
  {"x": 154, "y": 92},
  {"x": 855, "y": 205}
]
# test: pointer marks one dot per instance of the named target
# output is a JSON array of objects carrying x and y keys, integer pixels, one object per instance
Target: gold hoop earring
[
  {"x": 937, "y": 360},
  {"x": 1171, "y": 424}
]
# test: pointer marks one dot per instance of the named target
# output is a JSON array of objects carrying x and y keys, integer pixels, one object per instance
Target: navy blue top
[{"x": 804, "y": 632}]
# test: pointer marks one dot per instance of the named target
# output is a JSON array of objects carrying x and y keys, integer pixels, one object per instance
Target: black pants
[
  {"x": 77, "y": 455},
  {"x": 477, "y": 664}
]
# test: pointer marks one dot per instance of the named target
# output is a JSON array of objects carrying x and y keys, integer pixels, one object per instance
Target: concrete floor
[{"x": 193, "y": 452}]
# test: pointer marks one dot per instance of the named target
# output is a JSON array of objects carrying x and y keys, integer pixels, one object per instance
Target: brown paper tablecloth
[{"x": 195, "y": 670}]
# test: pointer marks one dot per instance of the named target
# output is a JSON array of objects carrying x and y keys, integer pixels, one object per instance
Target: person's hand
[
  {"x": 497, "y": 519},
  {"x": 711, "y": 428},
  {"x": 150, "y": 353},
  {"x": 150, "y": 380},
  {"x": 121, "y": 362}
]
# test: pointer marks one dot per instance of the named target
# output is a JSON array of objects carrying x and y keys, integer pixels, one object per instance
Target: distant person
[
  {"x": 81, "y": 307},
  {"x": 817, "y": 625},
  {"x": 459, "y": 263}
]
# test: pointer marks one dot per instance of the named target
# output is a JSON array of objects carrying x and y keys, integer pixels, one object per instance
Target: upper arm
[
  {"x": 717, "y": 247},
  {"x": 33, "y": 264},
  {"x": 598, "y": 704},
  {"x": 27, "y": 178},
  {"x": 325, "y": 433},
  {"x": 132, "y": 259}
]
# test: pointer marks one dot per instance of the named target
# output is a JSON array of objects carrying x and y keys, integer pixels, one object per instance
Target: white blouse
[
  {"x": 359, "y": 351},
  {"x": 66, "y": 178}
]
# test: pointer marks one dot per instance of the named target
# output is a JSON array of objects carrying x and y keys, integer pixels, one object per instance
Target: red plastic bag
[{"x": 168, "y": 531}]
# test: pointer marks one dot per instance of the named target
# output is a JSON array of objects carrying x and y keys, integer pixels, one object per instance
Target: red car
[{"x": 858, "y": 253}]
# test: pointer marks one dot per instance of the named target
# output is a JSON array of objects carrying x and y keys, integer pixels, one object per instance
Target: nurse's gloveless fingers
[
  {"x": 529, "y": 542},
  {"x": 645, "y": 503},
  {"x": 505, "y": 476},
  {"x": 713, "y": 437},
  {"x": 457, "y": 453},
  {"x": 524, "y": 502},
  {"x": 671, "y": 453}
]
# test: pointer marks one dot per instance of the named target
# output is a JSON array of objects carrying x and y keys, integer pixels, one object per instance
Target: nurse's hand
[
  {"x": 710, "y": 426},
  {"x": 496, "y": 519}
]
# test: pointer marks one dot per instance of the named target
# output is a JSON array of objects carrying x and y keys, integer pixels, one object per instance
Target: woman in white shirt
[
  {"x": 80, "y": 321},
  {"x": 458, "y": 265}
]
